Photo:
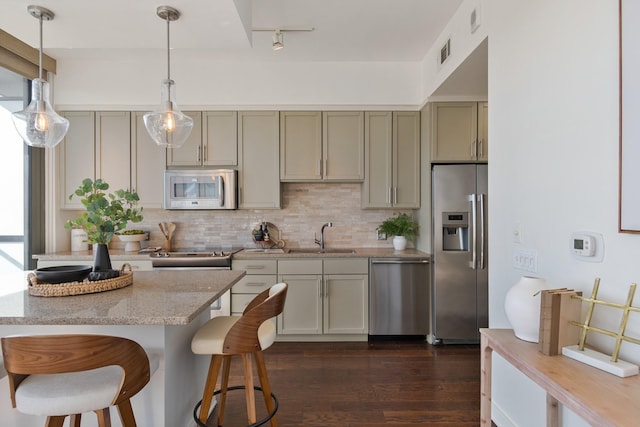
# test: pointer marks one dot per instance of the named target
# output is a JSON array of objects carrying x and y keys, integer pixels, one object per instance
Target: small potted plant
[
  {"x": 105, "y": 214},
  {"x": 402, "y": 227}
]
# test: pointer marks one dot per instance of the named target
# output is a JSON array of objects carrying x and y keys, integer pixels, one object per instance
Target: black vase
[{"x": 101, "y": 258}]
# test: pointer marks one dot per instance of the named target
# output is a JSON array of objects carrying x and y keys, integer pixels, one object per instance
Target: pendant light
[
  {"x": 38, "y": 124},
  {"x": 168, "y": 126}
]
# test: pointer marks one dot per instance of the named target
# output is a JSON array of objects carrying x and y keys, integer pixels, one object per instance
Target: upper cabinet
[
  {"x": 113, "y": 146},
  {"x": 258, "y": 166},
  {"x": 317, "y": 146},
  {"x": 76, "y": 154},
  {"x": 147, "y": 164},
  {"x": 212, "y": 142},
  {"x": 459, "y": 132},
  {"x": 392, "y": 160}
]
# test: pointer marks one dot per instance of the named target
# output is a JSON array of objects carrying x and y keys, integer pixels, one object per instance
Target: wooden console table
[{"x": 600, "y": 398}]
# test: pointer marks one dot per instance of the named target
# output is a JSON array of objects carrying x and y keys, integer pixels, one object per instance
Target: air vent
[{"x": 445, "y": 51}]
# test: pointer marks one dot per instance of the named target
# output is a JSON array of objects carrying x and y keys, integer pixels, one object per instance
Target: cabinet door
[
  {"x": 406, "y": 159},
  {"x": 377, "y": 187},
  {"x": 190, "y": 154},
  {"x": 454, "y": 131},
  {"x": 303, "y": 309},
  {"x": 76, "y": 156},
  {"x": 300, "y": 145},
  {"x": 258, "y": 168},
  {"x": 483, "y": 131},
  {"x": 346, "y": 308},
  {"x": 343, "y": 145},
  {"x": 113, "y": 149},
  {"x": 148, "y": 162},
  {"x": 220, "y": 138}
]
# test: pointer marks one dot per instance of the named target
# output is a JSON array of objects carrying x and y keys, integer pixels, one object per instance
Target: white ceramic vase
[
  {"x": 522, "y": 305},
  {"x": 399, "y": 243}
]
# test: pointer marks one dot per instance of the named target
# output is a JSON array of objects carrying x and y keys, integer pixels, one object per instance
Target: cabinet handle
[
  {"x": 481, "y": 144},
  {"x": 198, "y": 153},
  {"x": 395, "y": 195},
  {"x": 255, "y": 283},
  {"x": 320, "y": 167},
  {"x": 389, "y": 196},
  {"x": 254, "y": 267},
  {"x": 324, "y": 170},
  {"x": 474, "y": 149},
  {"x": 205, "y": 153}
]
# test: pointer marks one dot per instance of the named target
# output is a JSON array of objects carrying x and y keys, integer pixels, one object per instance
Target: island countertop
[{"x": 155, "y": 298}]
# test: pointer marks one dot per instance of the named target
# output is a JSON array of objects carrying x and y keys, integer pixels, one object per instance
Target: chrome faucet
[{"x": 321, "y": 241}]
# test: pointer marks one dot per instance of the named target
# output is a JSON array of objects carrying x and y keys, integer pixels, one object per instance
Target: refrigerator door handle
[
  {"x": 474, "y": 237},
  {"x": 482, "y": 230}
]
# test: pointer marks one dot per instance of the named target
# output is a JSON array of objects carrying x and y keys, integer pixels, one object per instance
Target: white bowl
[{"x": 132, "y": 241}]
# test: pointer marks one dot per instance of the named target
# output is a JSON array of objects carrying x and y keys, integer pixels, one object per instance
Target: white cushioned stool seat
[
  {"x": 210, "y": 337},
  {"x": 70, "y": 393}
]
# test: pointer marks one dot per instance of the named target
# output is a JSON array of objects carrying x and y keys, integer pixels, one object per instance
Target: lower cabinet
[
  {"x": 261, "y": 275},
  {"x": 325, "y": 297}
]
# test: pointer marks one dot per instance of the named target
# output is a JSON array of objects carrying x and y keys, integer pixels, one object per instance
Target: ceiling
[{"x": 344, "y": 30}]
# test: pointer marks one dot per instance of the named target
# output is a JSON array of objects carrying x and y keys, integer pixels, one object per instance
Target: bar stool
[
  {"x": 246, "y": 335},
  {"x": 67, "y": 375}
]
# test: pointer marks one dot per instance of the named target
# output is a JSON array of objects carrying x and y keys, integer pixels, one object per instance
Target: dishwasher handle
[{"x": 395, "y": 261}]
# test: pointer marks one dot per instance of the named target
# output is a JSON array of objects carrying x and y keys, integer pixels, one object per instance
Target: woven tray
[{"x": 41, "y": 289}]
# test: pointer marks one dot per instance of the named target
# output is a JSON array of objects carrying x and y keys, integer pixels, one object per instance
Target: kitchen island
[{"x": 161, "y": 310}]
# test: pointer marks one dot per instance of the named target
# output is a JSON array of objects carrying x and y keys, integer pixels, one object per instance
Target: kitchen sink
[{"x": 321, "y": 251}]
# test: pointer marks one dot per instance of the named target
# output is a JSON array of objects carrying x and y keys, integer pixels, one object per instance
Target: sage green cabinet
[
  {"x": 258, "y": 166},
  {"x": 325, "y": 296},
  {"x": 76, "y": 156},
  {"x": 459, "y": 132},
  {"x": 148, "y": 162},
  {"x": 113, "y": 152},
  {"x": 392, "y": 160},
  {"x": 321, "y": 146},
  {"x": 190, "y": 154}
]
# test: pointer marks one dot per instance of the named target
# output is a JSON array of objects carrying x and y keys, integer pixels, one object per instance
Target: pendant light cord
[
  {"x": 40, "y": 51},
  {"x": 168, "y": 51}
]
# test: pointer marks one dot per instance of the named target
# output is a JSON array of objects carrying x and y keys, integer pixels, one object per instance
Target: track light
[
  {"x": 278, "y": 40},
  {"x": 38, "y": 124}
]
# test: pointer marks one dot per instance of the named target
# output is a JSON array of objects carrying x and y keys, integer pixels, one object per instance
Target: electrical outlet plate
[{"x": 381, "y": 235}]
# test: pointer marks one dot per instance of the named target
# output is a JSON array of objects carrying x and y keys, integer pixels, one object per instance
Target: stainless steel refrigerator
[{"x": 459, "y": 292}]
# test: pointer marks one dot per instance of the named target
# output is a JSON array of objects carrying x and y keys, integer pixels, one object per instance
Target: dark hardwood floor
[{"x": 375, "y": 384}]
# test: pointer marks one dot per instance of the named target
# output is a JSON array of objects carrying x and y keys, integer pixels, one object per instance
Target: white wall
[
  {"x": 207, "y": 83},
  {"x": 553, "y": 125}
]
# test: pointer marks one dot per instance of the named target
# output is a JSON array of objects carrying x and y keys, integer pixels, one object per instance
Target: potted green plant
[
  {"x": 105, "y": 214},
  {"x": 402, "y": 227}
]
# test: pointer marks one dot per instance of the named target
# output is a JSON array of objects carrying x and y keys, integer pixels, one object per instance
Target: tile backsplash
[{"x": 305, "y": 208}]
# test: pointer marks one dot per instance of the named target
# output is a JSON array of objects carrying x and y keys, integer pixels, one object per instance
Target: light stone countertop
[
  {"x": 155, "y": 298},
  {"x": 313, "y": 253}
]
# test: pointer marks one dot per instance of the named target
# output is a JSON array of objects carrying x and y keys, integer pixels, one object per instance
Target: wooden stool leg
[
  {"x": 248, "y": 383},
  {"x": 55, "y": 421},
  {"x": 264, "y": 383},
  {"x": 126, "y": 414},
  {"x": 223, "y": 388},
  {"x": 104, "y": 418},
  {"x": 75, "y": 420},
  {"x": 209, "y": 387}
]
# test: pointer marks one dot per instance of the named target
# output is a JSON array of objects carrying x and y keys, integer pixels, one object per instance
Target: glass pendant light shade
[
  {"x": 38, "y": 124},
  {"x": 168, "y": 126}
]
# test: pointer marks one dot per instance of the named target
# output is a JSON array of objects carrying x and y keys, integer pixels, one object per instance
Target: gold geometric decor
[{"x": 596, "y": 359}]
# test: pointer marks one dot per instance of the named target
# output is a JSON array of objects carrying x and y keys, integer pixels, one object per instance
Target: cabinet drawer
[
  {"x": 240, "y": 301},
  {"x": 254, "y": 284},
  {"x": 346, "y": 266},
  {"x": 256, "y": 266},
  {"x": 300, "y": 266}
]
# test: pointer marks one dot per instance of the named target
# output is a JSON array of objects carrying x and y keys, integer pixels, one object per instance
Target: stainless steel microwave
[{"x": 200, "y": 189}]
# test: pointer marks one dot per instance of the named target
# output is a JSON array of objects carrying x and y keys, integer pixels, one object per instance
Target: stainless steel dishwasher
[{"x": 399, "y": 296}]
